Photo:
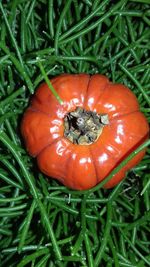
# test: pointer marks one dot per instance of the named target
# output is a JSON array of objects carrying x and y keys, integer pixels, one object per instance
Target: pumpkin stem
[{"x": 84, "y": 127}]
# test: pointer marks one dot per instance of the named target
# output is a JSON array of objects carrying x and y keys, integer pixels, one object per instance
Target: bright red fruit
[{"x": 81, "y": 141}]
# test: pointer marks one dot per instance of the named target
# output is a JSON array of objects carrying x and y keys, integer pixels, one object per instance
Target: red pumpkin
[{"x": 81, "y": 141}]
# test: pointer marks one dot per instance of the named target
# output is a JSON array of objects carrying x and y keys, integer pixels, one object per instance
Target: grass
[{"x": 42, "y": 223}]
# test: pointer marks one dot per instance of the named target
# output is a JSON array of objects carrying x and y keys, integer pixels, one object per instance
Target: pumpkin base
[{"x": 84, "y": 127}]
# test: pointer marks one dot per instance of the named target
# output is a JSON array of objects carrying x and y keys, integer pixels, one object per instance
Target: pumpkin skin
[{"x": 83, "y": 166}]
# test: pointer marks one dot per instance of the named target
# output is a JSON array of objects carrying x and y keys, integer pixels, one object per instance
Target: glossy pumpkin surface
[{"x": 83, "y": 166}]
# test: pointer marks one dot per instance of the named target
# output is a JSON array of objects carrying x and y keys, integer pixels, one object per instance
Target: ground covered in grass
[{"x": 42, "y": 223}]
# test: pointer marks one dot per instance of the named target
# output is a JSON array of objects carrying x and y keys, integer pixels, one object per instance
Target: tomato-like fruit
[{"x": 76, "y": 153}]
